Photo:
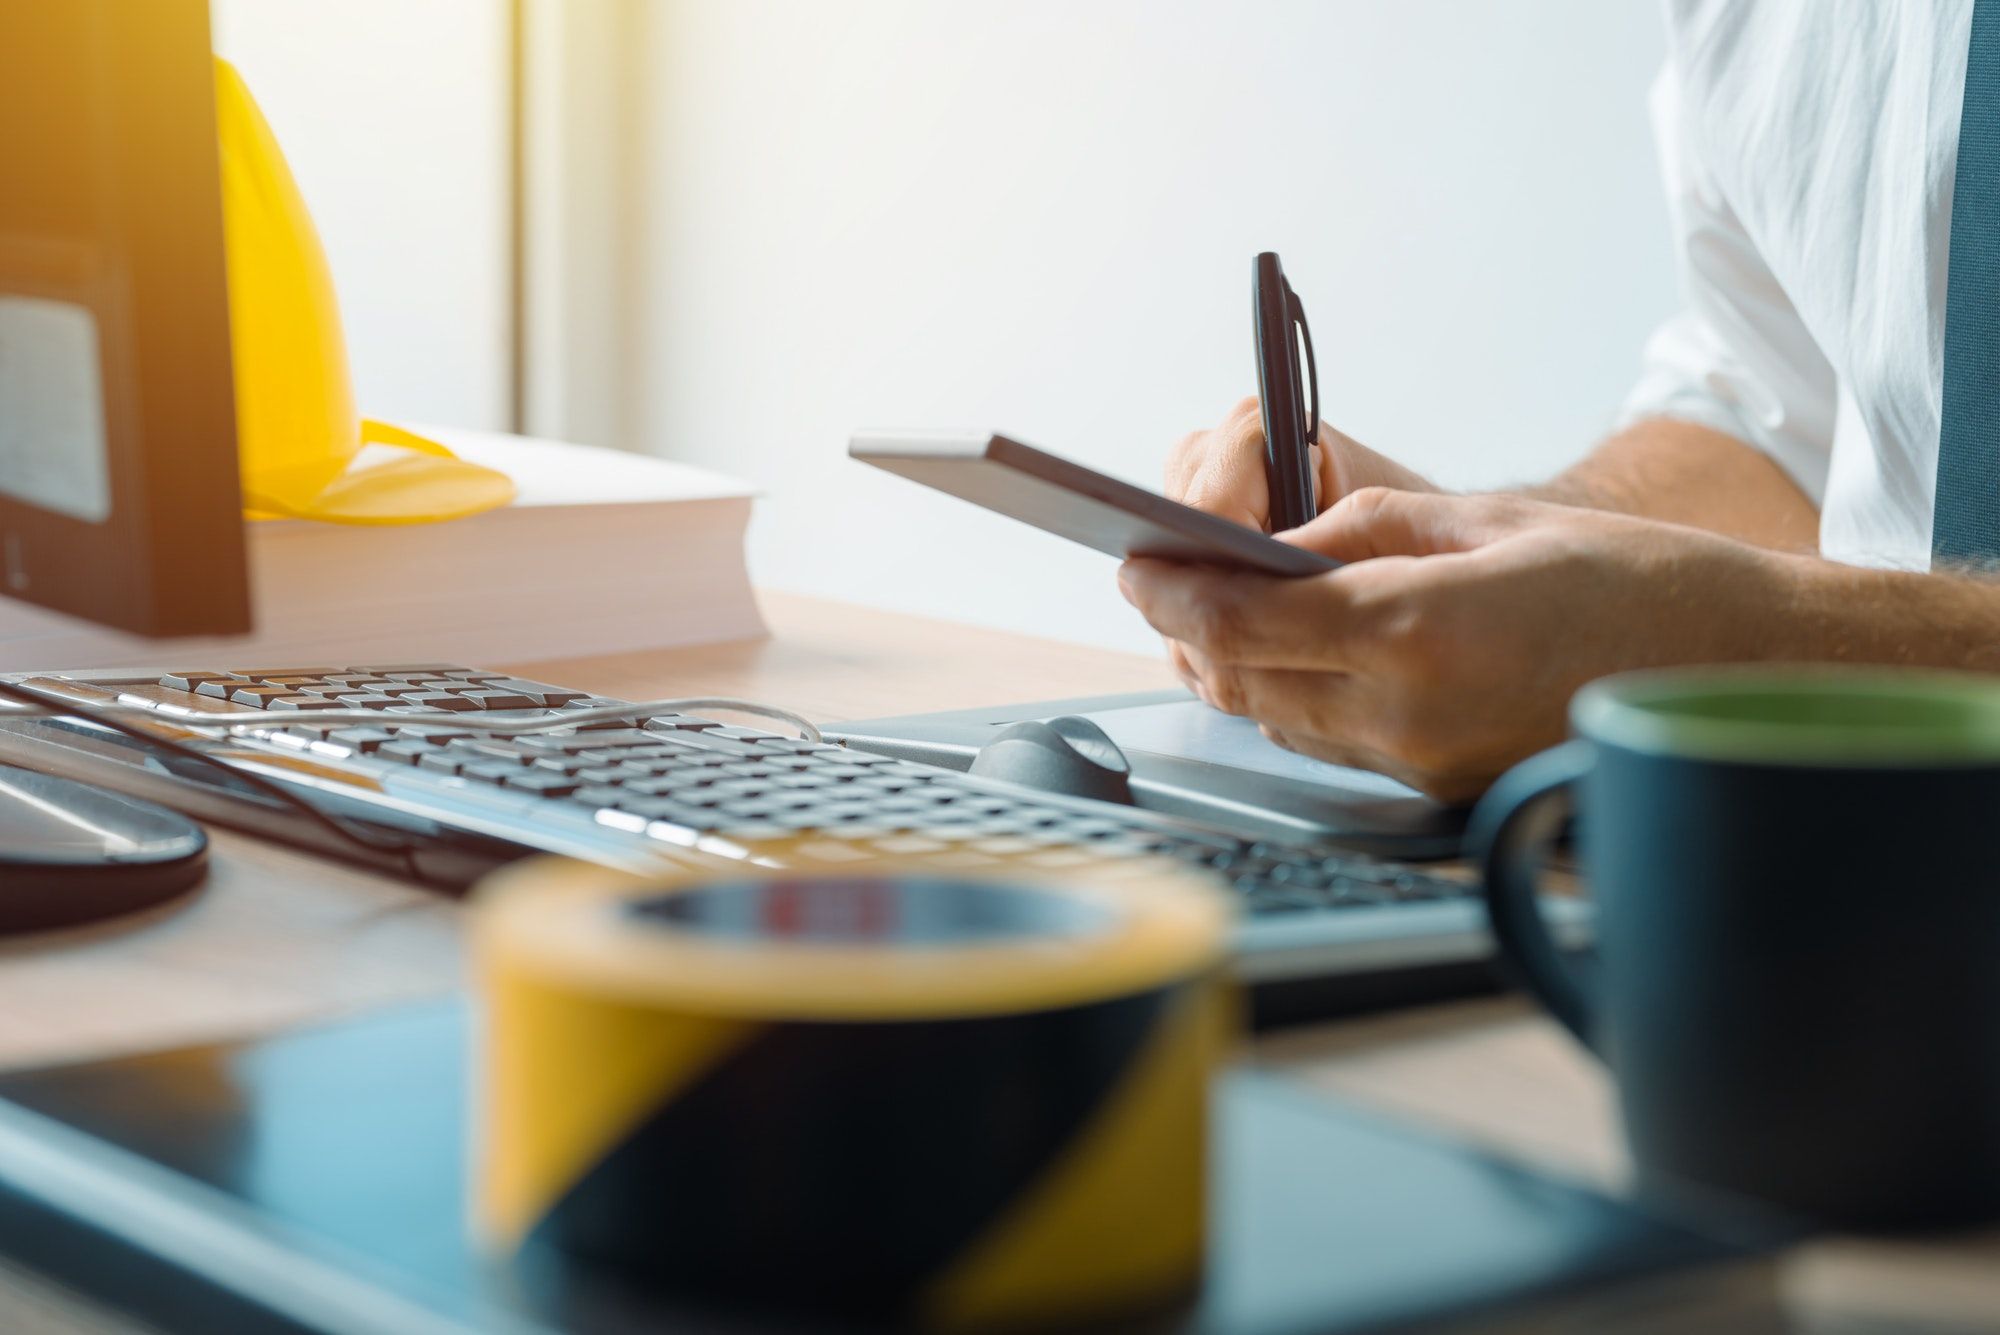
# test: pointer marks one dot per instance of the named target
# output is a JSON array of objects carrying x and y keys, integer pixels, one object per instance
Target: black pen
[{"x": 1290, "y": 428}]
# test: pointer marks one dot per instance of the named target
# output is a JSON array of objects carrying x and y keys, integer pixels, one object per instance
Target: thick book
[
  {"x": 602, "y": 552},
  {"x": 317, "y": 1181}
]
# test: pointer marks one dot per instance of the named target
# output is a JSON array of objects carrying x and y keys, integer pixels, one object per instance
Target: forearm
[
  {"x": 1687, "y": 474},
  {"x": 1833, "y": 613}
]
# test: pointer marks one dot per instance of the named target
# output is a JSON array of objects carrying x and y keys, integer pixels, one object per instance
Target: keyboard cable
[{"x": 121, "y": 719}]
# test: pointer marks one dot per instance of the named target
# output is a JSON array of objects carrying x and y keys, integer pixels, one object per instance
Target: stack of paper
[{"x": 603, "y": 552}]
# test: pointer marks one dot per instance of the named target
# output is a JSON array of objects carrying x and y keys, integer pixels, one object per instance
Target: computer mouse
[
  {"x": 72, "y": 853},
  {"x": 1066, "y": 755}
]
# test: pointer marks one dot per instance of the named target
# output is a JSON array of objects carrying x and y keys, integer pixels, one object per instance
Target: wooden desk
[{"x": 277, "y": 938}]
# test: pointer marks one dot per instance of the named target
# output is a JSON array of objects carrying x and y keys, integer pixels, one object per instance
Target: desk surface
[{"x": 277, "y": 938}]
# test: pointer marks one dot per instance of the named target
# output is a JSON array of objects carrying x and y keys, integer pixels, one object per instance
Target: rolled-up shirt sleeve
[{"x": 1737, "y": 358}]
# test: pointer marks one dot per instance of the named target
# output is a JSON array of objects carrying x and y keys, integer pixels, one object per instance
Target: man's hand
[
  {"x": 1222, "y": 471},
  {"x": 1451, "y": 648}
]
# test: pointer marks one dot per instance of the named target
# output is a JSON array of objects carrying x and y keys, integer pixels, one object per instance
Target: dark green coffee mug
[{"x": 1797, "y": 974}]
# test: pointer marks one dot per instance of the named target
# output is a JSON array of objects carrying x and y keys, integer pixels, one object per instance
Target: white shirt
[{"x": 1808, "y": 148}]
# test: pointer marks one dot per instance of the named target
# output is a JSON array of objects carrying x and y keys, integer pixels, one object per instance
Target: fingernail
[{"x": 1124, "y": 584}]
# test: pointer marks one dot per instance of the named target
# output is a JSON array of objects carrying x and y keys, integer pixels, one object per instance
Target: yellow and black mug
[{"x": 899, "y": 1098}]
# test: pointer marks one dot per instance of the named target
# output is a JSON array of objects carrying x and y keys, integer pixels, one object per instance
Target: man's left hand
[{"x": 1449, "y": 649}]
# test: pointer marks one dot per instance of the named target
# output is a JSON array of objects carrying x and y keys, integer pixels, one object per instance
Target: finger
[
  {"x": 1291, "y": 703},
  {"x": 1177, "y": 656},
  {"x": 1227, "y": 477},
  {"x": 1348, "y": 757},
  {"x": 1184, "y": 668},
  {"x": 1185, "y": 459},
  {"x": 1378, "y": 521},
  {"x": 1243, "y": 619}
]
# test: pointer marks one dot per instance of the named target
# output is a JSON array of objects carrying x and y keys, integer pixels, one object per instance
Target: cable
[
  {"x": 40, "y": 704},
  {"x": 107, "y": 716},
  {"x": 495, "y": 720}
]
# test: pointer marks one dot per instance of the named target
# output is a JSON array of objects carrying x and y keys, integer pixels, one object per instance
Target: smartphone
[{"x": 1075, "y": 502}]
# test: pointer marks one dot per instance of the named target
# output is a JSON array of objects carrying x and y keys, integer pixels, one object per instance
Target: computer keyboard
[{"x": 648, "y": 788}]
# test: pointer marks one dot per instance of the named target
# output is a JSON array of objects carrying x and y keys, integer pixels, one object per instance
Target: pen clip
[{"x": 1312, "y": 371}]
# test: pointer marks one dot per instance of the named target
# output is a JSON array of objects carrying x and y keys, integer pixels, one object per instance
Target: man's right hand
[{"x": 1222, "y": 471}]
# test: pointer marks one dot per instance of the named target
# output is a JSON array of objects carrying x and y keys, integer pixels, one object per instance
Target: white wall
[
  {"x": 393, "y": 115},
  {"x": 1039, "y": 216}
]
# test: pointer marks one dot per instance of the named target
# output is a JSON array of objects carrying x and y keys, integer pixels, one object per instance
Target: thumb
[{"x": 1379, "y": 521}]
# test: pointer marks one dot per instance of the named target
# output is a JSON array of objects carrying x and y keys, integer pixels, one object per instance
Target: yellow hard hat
[{"x": 297, "y": 432}]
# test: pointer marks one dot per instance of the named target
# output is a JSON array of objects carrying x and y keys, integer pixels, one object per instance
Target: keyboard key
[
  {"x": 255, "y": 696},
  {"x": 602, "y": 795},
  {"x": 560, "y": 744},
  {"x": 851, "y": 756},
  {"x": 594, "y": 702},
  {"x": 708, "y": 741},
  {"x": 678, "y": 723},
  {"x": 742, "y": 787},
  {"x": 440, "y": 700},
  {"x": 740, "y": 734},
  {"x": 674, "y": 755},
  {"x": 623, "y": 736},
  {"x": 298, "y": 702},
  {"x": 541, "y": 781},
  {"x": 364, "y": 740},
  {"x": 369, "y": 702},
  {"x": 405, "y": 752},
  {"x": 488, "y": 771},
  {"x": 437, "y": 734},
  {"x": 540, "y": 693},
  {"x": 658, "y": 787},
  {"x": 782, "y": 800},
  {"x": 489, "y": 748},
  {"x": 490, "y": 699},
  {"x": 444, "y": 762},
  {"x": 668, "y": 811},
  {"x": 188, "y": 681}
]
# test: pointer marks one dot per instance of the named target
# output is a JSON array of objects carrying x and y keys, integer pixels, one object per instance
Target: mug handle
[{"x": 1508, "y": 837}]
